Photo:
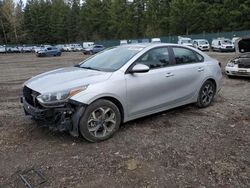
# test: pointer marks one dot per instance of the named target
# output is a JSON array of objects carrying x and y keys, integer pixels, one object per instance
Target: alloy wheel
[
  {"x": 101, "y": 122},
  {"x": 207, "y": 94}
]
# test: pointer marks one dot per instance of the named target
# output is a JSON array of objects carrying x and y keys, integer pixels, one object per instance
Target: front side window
[
  {"x": 186, "y": 56},
  {"x": 155, "y": 58}
]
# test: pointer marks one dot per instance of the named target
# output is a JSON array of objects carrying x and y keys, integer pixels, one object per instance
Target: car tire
[
  {"x": 100, "y": 121},
  {"x": 206, "y": 94}
]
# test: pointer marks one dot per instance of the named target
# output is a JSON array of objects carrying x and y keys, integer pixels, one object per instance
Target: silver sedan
[{"x": 121, "y": 84}]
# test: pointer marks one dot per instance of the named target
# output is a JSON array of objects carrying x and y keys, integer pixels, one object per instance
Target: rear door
[{"x": 189, "y": 72}]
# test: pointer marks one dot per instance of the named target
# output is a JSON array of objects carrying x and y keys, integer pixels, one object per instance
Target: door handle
[
  {"x": 200, "y": 69},
  {"x": 169, "y": 74}
]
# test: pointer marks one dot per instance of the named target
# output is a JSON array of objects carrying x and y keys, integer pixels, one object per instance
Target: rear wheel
[
  {"x": 100, "y": 121},
  {"x": 206, "y": 94}
]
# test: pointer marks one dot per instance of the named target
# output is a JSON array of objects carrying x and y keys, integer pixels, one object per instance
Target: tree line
[{"x": 64, "y": 21}]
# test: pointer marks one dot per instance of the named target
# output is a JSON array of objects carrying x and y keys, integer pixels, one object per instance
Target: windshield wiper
[{"x": 91, "y": 68}]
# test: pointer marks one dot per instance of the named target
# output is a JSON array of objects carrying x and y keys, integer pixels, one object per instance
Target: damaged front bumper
[{"x": 65, "y": 118}]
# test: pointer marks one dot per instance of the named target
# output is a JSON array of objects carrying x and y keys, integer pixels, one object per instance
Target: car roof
[{"x": 145, "y": 45}]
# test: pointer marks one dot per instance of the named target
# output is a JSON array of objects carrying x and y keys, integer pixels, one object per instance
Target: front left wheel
[{"x": 100, "y": 121}]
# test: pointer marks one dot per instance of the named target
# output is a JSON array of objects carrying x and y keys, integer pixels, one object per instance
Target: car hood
[
  {"x": 65, "y": 78},
  {"x": 242, "y": 46}
]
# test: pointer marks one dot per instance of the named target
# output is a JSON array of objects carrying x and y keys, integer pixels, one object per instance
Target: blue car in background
[
  {"x": 93, "y": 49},
  {"x": 48, "y": 52}
]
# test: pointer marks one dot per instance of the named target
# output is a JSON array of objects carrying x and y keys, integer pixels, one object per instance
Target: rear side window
[{"x": 186, "y": 56}]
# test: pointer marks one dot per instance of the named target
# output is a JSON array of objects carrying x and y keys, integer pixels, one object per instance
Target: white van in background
[
  {"x": 87, "y": 44},
  {"x": 2, "y": 49},
  {"x": 222, "y": 45},
  {"x": 155, "y": 40},
  {"x": 201, "y": 44},
  {"x": 123, "y": 42},
  {"x": 185, "y": 41}
]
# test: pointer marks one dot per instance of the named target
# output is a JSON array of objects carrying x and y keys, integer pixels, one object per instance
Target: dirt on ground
[{"x": 183, "y": 147}]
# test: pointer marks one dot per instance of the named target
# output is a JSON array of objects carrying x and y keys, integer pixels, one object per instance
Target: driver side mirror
[{"x": 139, "y": 68}]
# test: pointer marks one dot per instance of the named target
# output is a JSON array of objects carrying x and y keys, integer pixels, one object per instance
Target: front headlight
[
  {"x": 233, "y": 62},
  {"x": 60, "y": 96},
  {"x": 230, "y": 64}
]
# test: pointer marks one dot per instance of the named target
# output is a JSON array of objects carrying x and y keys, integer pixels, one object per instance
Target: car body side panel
[{"x": 173, "y": 84}]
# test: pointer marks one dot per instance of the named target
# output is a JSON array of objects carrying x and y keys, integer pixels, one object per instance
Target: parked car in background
[
  {"x": 66, "y": 48},
  {"x": 13, "y": 49},
  {"x": 119, "y": 85},
  {"x": 26, "y": 49},
  {"x": 185, "y": 41},
  {"x": 145, "y": 40},
  {"x": 60, "y": 47},
  {"x": 222, "y": 45},
  {"x": 93, "y": 49},
  {"x": 201, "y": 44},
  {"x": 87, "y": 44},
  {"x": 2, "y": 49},
  {"x": 123, "y": 42},
  {"x": 240, "y": 65},
  {"x": 37, "y": 49},
  {"x": 49, "y": 51},
  {"x": 133, "y": 41},
  {"x": 155, "y": 40},
  {"x": 77, "y": 48}
]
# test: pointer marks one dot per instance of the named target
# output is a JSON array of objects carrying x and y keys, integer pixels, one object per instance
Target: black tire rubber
[
  {"x": 230, "y": 77},
  {"x": 199, "y": 103},
  {"x": 84, "y": 119}
]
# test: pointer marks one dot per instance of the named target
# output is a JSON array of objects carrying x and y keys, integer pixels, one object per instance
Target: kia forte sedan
[{"x": 120, "y": 84}]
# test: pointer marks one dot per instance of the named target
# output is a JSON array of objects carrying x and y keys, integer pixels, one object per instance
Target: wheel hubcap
[
  {"x": 101, "y": 122},
  {"x": 207, "y": 94}
]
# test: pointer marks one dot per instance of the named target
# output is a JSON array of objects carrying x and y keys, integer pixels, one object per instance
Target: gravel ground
[{"x": 184, "y": 147}]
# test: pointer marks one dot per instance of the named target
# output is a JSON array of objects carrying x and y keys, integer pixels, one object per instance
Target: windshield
[
  {"x": 111, "y": 59},
  {"x": 203, "y": 42},
  {"x": 226, "y": 42}
]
